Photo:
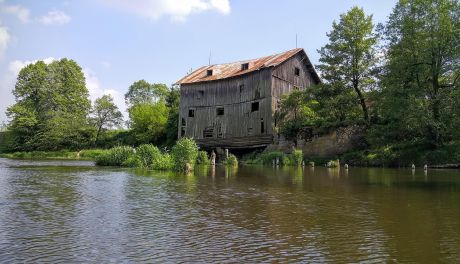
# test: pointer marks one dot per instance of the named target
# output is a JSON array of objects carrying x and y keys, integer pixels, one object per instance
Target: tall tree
[
  {"x": 348, "y": 60},
  {"x": 51, "y": 106},
  {"x": 105, "y": 115},
  {"x": 423, "y": 71},
  {"x": 148, "y": 121},
  {"x": 143, "y": 92}
]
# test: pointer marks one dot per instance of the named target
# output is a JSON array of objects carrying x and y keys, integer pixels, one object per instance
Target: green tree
[
  {"x": 141, "y": 92},
  {"x": 348, "y": 60},
  {"x": 148, "y": 121},
  {"x": 51, "y": 106},
  {"x": 295, "y": 113},
  {"x": 172, "y": 102},
  {"x": 418, "y": 102},
  {"x": 105, "y": 115}
]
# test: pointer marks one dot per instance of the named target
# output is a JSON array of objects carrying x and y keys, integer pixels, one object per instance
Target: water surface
[{"x": 73, "y": 212}]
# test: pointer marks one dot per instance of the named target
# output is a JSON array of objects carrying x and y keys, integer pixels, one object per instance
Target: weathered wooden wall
[{"x": 236, "y": 96}]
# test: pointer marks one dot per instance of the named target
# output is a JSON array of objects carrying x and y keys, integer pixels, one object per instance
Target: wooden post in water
[{"x": 213, "y": 158}]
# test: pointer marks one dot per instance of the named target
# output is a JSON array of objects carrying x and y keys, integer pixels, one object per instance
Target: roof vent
[
  {"x": 208, "y": 72},
  {"x": 244, "y": 66}
]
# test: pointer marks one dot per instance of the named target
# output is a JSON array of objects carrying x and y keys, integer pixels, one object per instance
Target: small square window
[
  {"x": 244, "y": 66},
  {"x": 200, "y": 94},
  {"x": 183, "y": 122},
  {"x": 297, "y": 71},
  {"x": 220, "y": 111},
  {"x": 208, "y": 72},
  {"x": 191, "y": 113},
  {"x": 255, "y": 107}
]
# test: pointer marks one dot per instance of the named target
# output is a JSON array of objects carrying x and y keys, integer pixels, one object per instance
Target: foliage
[
  {"x": 231, "y": 160},
  {"x": 347, "y": 62},
  {"x": 417, "y": 103},
  {"x": 296, "y": 112},
  {"x": 147, "y": 153},
  {"x": 333, "y": 164},
  {"x": 90, "y": 153},
  {"x": 297, "y": 157},
  {"x": 105, "y": 115},
  {"x": 184, "y": 152},
  {"x": 142, "y": 92},
  {"x": 116, "y": 156},
  {"x": 202, "y": 157},
  {"x": 172, "y": 102},
  {"x": 51, "y": 107},
  {"x": 148, "y": 121},
  {"x": 163, "y": 162}
]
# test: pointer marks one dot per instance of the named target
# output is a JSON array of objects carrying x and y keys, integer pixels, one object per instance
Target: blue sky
[{"x": 117, "y": 42}]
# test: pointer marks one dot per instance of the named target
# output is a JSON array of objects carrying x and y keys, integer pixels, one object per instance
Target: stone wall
[{"x": 320, "y": 144}]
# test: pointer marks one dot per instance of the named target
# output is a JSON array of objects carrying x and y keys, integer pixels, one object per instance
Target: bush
[
  {"x": 184, "y": 152},
  {"x": 202, "y": 158},
  {"x": 162, "y": 162},
  {"x": 296, "y": 157},
  {"x": 231, "y": 161},
  {"x": 115, "y": 156},
  {"x": 91, "y": 153},
  {"x": 146, "y": 154},
  {"x": 333, "y": 164}
]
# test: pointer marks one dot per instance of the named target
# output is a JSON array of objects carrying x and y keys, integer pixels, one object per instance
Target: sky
[{"x": 117, "y": 42}]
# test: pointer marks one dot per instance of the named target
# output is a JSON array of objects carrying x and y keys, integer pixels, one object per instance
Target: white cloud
[
  {"x": 4, "y": 40},
  {"x": 177, "y": 10},
  {"x": 22, "y": 13},
  {"x": 55, "y": 17},
  {"x": 96, "y": 90}
]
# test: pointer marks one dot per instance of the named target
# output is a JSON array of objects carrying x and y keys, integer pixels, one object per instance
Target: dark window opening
[
  {"x": 208, "y": 72},
  {"x": 200, "y": 94},
  {"x": 191, "y": 113},
  {"x": 220, "y": 111},
  {"x": 262, "y": 126},
  {"x": 255, "y": 107},
  {"x": 182, "y": 132},
  {"x": 244, "y": 66},
  {"x": 183, "y": 121},
  {"x": 297, "y": 71},
  {"x": 208, "y": 132},
  {"x": 241, "y": 88}
]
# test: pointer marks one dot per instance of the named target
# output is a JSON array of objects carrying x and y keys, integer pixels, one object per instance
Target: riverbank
[{"x": 86, "y": 154}]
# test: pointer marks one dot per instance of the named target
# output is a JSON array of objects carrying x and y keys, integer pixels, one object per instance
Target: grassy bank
[{"x": 86, "y": 154}]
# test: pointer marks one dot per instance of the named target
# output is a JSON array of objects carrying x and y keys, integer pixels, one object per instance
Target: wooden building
[{"x": 232, "y": 105}]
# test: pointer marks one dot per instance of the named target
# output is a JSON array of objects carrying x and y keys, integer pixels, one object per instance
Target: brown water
[{"x": 73, "y": 212}]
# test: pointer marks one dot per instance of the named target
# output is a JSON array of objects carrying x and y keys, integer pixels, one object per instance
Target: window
[
  {"x": 183, "y": 121},
  {"x": 297, "y": 71},
  {"x": 208, "y": 132},
  {"x": 244, "y": 66},
  {"x": 208, "y": 72},
  {"x": 241, "y": 88},
  {"x": 220, "y": 111},
  {"x": 200, "y": 94},
  {"x": 255, "y": 107},
  {"x": 191, "y": 113},
  {"x": 182, "y": 132}
]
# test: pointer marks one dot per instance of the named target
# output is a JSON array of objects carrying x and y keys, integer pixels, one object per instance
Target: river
[{"x": 73, "y": 212}]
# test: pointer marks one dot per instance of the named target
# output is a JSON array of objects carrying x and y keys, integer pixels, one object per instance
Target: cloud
[
  {"x": 4, "y": 40},
  {"x": 55, "y": 17},
  {"x": 22, "y": 13},
  {"x": 96, "y": 90},
  {"x": 177, "y": 10}
]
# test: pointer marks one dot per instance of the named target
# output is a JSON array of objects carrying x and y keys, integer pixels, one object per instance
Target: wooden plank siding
[{"x": 239, "y": 126}]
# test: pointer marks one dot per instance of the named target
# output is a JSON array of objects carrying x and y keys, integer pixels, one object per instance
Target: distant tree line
[
  {"x": 53, "y": 112},
  {"x": 401, "y": 80}
]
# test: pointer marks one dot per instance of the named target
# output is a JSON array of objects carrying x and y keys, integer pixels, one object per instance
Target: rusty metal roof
[{"x": 228, "y": 70}]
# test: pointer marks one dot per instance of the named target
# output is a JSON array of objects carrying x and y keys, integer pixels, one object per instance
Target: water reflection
[{"x": 222, "y": 214}]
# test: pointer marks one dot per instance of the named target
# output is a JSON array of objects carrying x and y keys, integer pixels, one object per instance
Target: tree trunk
[{"x": 362, "y": 101}]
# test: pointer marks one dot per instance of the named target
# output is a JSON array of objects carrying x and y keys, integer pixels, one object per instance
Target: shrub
[
  {"x": 184, "y": 152},
  {"x": 133, "y": 162},
  {"x": 115, "y": 156},
  {"x": 231, "y": 160},
  {"x": 296, "y": 157},
  {"x": 162, "y": 162},
  {"x": 146, "y": 154},
  {"x": 202, "y": 158},
  {"x": 91, "y": 153},
  {"x": 332, "y": 164}
]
